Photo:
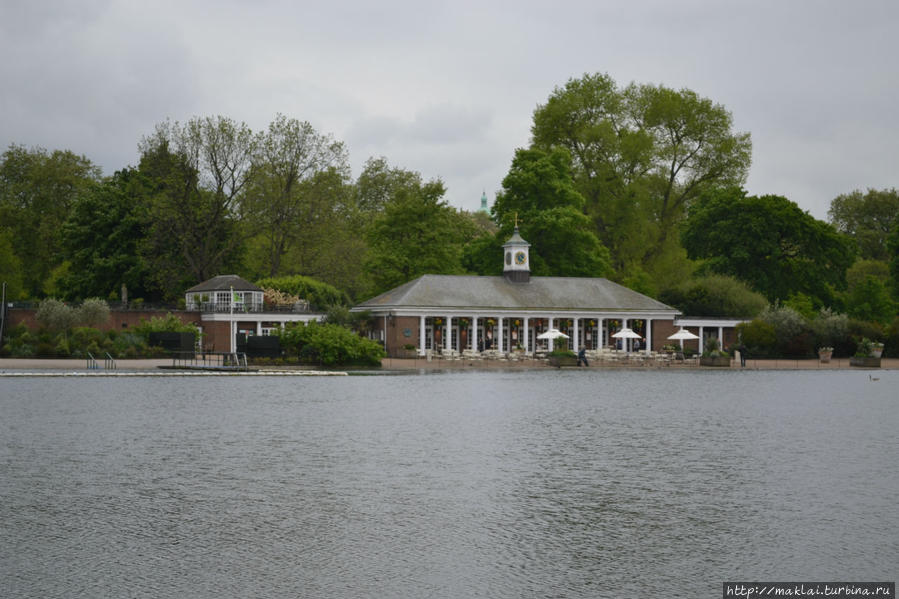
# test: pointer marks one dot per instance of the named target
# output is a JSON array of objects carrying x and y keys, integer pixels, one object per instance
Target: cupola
[{"x": 516, "y": 262}]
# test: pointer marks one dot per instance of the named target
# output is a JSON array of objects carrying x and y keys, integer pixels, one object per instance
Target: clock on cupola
[{"x": 517, "y": 265}]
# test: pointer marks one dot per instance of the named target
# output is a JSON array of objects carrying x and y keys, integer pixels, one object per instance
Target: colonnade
[{"x": 502, "y": 331}]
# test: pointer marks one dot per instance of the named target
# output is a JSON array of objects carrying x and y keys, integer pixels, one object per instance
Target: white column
[
  {"x": 474, "y": 333},
  {"x": 550, "y": 328},
  {"x": 648, "y": 336},
  {"x": 721, "y": 338},
  {"x": 421, "y": 336},
  {"x": 499, "y": 334},
  {"x": 524, "y": 343},
  {"x": 259, "y": 327},
  {"x": 448, "y": 342},
  {"x": 575, "y": 344},
  {"x": 701, "y": 341}
]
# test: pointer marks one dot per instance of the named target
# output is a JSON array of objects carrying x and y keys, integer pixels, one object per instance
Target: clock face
[{"x": 520, "y": 258}]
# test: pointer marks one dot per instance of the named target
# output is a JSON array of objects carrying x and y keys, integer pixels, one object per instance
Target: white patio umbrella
[
  {"x": 681, "y": 335},
  {"x": 552, "y": 334},
  {"x": 626, "y": 333}
]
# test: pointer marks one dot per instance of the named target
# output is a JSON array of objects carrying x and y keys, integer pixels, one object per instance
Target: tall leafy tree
[
  {"x": 283, "y": 198},
  {"x": 37, "y": 191},
  {"x": 416, "y": 233},
  {"x": 641, "y": 155},
  {"x": 893, "y": 256},
  {"x": 10, "y": 266},
  {"x": 379, "y": 183},
  {"x": 539, "y": 191},
  {"x": 868, "y": 218},
  {"x": 102, "y": 239},
  {"x": 770, "y": 243},
  {"x": 194, "y": 233}
]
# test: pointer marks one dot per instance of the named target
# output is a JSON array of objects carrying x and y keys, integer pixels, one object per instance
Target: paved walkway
[
  {"x": 437, "y": 364},
  {"x": 784, "y": 364}
]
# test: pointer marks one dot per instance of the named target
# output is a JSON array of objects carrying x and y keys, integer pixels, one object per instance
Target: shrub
[
  {"x": 55, "y": 315},
  {"x": 81, "y": 337},
  {"x": 715, "y": 295},
  {"x": 832, "y": 330},
  {"x": 92, "y": 312},
  {"x": 712, "y": 349},
  {"x": 891, "y": 341},
  {"x": 319, "y": 295},
  {"x": 791, "y": 330},
  {"x": 330, "y": 345},
  {"x": 758, "y": 336},
  {"x": 160, "y": 324}
]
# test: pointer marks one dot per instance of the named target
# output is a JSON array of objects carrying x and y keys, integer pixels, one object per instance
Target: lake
[{"x": 544, "y": 483}]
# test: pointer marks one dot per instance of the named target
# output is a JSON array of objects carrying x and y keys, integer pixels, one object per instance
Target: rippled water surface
[{"x": 525, "y": 484}]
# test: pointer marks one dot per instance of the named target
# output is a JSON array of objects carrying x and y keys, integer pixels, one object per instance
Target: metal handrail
[
  {"x": 92, "y": 363},
  {"x": 109, "y": 362}
]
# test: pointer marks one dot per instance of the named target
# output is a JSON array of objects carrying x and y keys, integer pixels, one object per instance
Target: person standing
[{"x": 582, "y": 357}]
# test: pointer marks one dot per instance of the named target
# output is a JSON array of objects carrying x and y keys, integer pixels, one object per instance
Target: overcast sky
[{"x": 449, "y": 88}]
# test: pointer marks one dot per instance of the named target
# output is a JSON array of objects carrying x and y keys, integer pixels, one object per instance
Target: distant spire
[{"x": 484, "y": 202}]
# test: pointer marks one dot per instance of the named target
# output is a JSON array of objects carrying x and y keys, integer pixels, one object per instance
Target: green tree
[
  {"x": 10, "y": 267},
  {"x": 37, "y": 190},
  {"x": 868, "y": 218},
  {"x": 284, "y": 200},
  {"x": 893, "y": 259},
  {"x": 641, "y": 155},
  {"x": 539, "y": 191},
  {"x": 379, "y": 183},
  {"x": 194, "y": 233},
  {"x": 770, "y": 243},
  {"x": 869, "y": 299},
  {"x": 103, "y": 236},
  {"x": 416, "y": 233}
]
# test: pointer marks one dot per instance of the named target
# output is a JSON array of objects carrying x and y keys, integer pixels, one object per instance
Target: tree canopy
[
  {"x": 641, "y": 155},
  {"x": 769, "y": 242},
  {"x": 868, "y": 218},
  {"x": 539, "y": 194},
  {"x": 417, "y": 233},
  {"x": 37, "y": 190}
]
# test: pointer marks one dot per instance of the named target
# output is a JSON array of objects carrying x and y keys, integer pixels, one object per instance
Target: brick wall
[{"x": 121, "y": 320}]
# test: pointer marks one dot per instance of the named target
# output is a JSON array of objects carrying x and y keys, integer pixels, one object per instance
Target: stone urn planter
[
  {"x": 824, "y": 355},
  {"x": 718, "y": 361},
  {"x": 876, "y": 350},
  {"x": 559, "y": 361},
  {"x": 868, "y": 362}
]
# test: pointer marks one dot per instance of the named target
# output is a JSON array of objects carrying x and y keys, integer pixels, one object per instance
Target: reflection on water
[{"x": 525, "y": 484}]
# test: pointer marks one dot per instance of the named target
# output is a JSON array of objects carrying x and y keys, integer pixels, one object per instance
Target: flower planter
[
  {"x": 868, "y": 362},
  {"x": 825, "y": 356},
  {"x": 559, "y": 361},
  {"x": 717, "y": 361},
  {"x": 877, "y": 350}
]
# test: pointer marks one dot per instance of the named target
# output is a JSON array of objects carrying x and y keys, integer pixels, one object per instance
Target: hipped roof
[
  {"x": 540, "y": 293},
  {"x": 224, "y": 283}
]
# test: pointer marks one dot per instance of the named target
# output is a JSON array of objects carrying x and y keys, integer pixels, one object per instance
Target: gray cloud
[{"x": 449, "y": 88}]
